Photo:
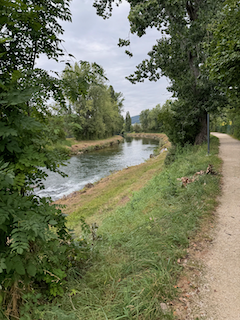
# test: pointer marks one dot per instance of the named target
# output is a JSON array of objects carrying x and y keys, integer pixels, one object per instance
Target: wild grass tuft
[{"x": 134, "y": 270}]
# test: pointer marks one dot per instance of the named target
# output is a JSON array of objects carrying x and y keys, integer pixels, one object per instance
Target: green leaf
[
  {"x": 2, "y": 265},
  {"x": 31, "y": 269},
  {"x": 52, "y": 222},
  {"x": 20, "y": 268},
  {"x": 20, "y": 250}
]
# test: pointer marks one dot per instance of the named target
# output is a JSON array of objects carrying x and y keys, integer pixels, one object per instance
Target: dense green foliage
[
  {"x": 136, "y": 127},
  {"x": 223, "y": 63},
  {"x": 128, "y": 122},
  {"x": 178, "y": 55},
  {"x": 224, "y": 48},
  {"x": 172, "y": 122},
  {"x": 36, "y": 249},
  {"x": 168, "y": 120},
  {"x": 149, "y": 120},
  {"x": 94, "y": 109}
]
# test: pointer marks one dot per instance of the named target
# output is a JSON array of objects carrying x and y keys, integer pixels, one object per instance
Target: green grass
[
  {"x": 134, "y": 267},
  {"x": 99, "y": 205},
  {"x": 69, "y": 142}
]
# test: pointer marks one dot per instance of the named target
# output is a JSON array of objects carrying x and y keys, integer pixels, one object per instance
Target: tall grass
[{"x": 134, "y": 269}]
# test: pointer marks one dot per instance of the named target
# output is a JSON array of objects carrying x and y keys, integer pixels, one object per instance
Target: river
[{"x": 91, "y": 167}]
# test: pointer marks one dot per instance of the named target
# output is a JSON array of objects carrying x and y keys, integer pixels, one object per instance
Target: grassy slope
[
  {"x": 115, "y": 190},
  {"x": 134, "y": 267},
  {"x": 97, "y": 203}
]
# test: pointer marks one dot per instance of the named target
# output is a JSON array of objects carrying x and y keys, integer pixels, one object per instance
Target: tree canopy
[
  {"x": 35, "y": 245},
  {"x": 94, "y": 109},
  {"x": 224, "y": 48},
  {"x": 128, "y": 122},
  {"x": 150, "y": 119},
  {"x": 223, "y": 60},
  {"x": 178, "y": 54}
]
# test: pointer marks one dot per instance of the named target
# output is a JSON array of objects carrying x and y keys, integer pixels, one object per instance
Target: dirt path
[{"x": 222, "y": 297}]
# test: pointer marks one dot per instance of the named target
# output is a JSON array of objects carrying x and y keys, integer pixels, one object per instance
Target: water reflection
[{"x": 91, "y": 167}]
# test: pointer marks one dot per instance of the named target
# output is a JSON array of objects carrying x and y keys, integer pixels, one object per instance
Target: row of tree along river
[{"x": 91, "y": 167}]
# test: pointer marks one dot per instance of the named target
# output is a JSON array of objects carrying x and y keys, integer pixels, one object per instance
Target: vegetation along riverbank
[
  {"x": 72, "y": 146},
  {"x": 143, "y": 222},
  {"x": 158, "y": 136},
  {"x": 89, "y": 145}
]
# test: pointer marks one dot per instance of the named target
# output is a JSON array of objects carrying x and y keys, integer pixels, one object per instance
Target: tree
[
  {"x": 224, "y": 49},
  {"x": 143, "y": 117},
  {"x": 35, "y": 246},
  {"x": 94, "y": 108},
  {"x": 34, "y": 29},
  {"x": 128, "y": 122},
  {"x": 150, "y": 119},
  {"x": 224, "y": 57},
  {"x": 137, "y": 128},
  {"x": 117, "y": 99},
  {"x": 172, "y": 122},
  {"x": 177, "y": 55}
]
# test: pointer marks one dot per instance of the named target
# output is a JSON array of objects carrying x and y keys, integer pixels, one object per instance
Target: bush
[{"x": 171, "y": 156}]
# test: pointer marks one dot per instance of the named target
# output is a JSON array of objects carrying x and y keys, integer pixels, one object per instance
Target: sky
[{"x": 91, "y": 38}]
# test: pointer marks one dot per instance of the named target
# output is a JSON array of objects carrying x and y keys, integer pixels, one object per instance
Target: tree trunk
[{"x": 202, "y": 135}]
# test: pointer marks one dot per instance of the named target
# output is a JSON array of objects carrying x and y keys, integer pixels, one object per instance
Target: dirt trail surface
[{"x": 222, "y": 296}]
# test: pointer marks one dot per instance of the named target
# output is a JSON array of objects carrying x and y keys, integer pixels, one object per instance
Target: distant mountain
[{"x": 135, "y": 119}]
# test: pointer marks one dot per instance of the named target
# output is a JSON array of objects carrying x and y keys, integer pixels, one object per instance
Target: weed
[
  {"x": 171, "y": 156},
  {"x": 136, "y": 271}
]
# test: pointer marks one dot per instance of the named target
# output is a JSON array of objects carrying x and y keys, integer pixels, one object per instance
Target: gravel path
[{"x": 223, "y": 258}]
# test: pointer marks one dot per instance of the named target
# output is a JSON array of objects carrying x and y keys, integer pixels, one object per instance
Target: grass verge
[{"x": 134, "y": 267}]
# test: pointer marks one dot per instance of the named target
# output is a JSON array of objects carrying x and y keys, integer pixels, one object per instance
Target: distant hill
[{"x": 135, "y": 119}]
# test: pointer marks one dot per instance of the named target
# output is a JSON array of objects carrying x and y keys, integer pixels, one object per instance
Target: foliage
[
  {"x": 34, "y": 27},
  {"x": 143, "y": 117},
  {"x": 94, "y": 109},
  {"x": 223, "y": 64},
  {"x": 228, "y": 121},
  {"x": 36, "y": 249},
  {"x": 137, "y": 128},
  {"x": 178, "y": 54},
  {"x": 171, "y": 156},
  {"x": 56, "y": 127},
  {"x": 150, "y": 119},
  {"x": 178, "y": 126},
  {"x": 224, "y": 55},
  {"x": 128, "y": 122}
]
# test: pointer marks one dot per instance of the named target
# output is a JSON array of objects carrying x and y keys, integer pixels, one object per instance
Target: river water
[{"x": 91, "y": 167}]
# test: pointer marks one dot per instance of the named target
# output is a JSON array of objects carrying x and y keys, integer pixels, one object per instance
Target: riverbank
[
  {"x": 161, "y": 137},
  {"x": 78, "y": 147},
  {"x": 148, "y": 234},
  {"x": 113, "y": 190},
  {"x": 157, "y": 136}
]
